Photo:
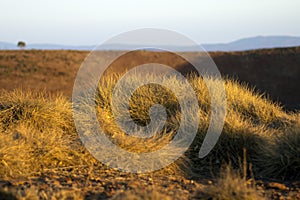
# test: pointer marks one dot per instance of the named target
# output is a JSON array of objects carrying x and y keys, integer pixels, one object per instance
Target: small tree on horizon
[{"x": 21, "y": 44}]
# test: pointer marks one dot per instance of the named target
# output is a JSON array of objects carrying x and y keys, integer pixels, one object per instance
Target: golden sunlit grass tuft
[
  {"x": 281, "y": 159},
  {"x": 252, "y": 122},
  {"x": 37, "y": 131},
  {"x": 35, "y": 109},
  {"x": 253, "y": 106},
  {"x": 37, "y": 134},
  {"x": 231, "y": 185}
]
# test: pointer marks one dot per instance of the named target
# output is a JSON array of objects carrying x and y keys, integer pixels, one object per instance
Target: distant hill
[
  {"x": 259, "y": 42},
  {"x": 6, "y": 45}
]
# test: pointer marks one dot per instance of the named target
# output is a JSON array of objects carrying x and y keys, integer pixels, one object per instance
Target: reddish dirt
[{"x": 275, "y": 72}]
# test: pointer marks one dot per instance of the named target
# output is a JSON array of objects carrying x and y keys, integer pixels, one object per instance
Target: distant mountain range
[{"x": 258, "y": 42}]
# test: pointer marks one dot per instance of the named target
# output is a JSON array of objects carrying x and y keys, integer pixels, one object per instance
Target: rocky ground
[{"x": 80, "y": 182}]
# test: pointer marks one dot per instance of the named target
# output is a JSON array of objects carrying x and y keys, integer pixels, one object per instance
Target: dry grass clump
[
  {"x": 25, "y": 150},
  {"x": 252, "y": 105},
  {"x": 140, "y": 104},
  {"x": 252, "y": 122},
  {"x": 35, "y": 109},
  {"x": 37, "y": 131},
  {"x": 37, "y": 134},
  {"x": 231, "y": 185},
  {"x": 281, "y": 159},
  {"x": 237, "y": 135}
]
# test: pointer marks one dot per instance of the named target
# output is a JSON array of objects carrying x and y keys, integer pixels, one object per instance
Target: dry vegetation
[
  {"x": 256, "y": 157},
  {"x": 230, "y": 185}
]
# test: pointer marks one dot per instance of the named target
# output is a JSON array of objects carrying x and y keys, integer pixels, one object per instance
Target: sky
[{"x": 90, "y": 22}]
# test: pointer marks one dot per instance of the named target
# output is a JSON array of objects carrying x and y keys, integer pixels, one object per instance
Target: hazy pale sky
[{"x": 89, "y": 22}]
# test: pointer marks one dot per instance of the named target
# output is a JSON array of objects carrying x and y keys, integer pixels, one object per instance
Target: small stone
[{"x": 279, "y": 186}]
